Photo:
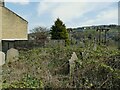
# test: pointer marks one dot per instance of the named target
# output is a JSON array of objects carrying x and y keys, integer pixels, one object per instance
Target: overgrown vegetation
[
  {"x": 49, "y": 68},
  {"x": 41, "y": 66}
]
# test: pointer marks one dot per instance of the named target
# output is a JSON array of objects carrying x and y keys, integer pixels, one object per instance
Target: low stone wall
[{"x": 55, "y": 43}]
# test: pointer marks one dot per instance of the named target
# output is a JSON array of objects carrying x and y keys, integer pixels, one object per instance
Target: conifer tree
[{"x": 59, "y": 32}]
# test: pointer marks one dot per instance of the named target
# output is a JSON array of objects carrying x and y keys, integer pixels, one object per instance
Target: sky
[{"x": 74, "y": 13}]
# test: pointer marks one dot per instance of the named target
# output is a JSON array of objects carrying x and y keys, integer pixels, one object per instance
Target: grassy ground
[{"x": 49, "y": 67}]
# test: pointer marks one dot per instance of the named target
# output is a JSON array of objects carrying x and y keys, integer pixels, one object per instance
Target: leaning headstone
[
  {"x": 72, "y": 63},
  {"x": 2, "y": 58},
  {"x": 95, "y": 47},
  {"x": 12, "y": 55}
]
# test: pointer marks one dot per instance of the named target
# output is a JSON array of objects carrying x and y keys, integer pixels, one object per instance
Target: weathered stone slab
[
  {"x": 95, "y": 47},
  {"x": 12, "y": 55},
  {"x": 2, "y": 58},
  {"x": 73, "y": 58},
  {"x": 72, "y": 62}
]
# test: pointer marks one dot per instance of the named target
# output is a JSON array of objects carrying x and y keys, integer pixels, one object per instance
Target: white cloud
[
  {"x": 45, "y": 6},
  {"x": 109, "y": 16},
  {"x": 75, "y": 0},
  {"x": 68, "y": 11},
  {"x": 22, "y": 2}
]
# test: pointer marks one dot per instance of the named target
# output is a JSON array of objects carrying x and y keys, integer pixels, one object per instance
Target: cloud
[
  {"x": 75, "y": 0},
  {"x": 68, "y": 11},
  {"x": 45, "y": 6},
  {"x": 22, "y": 2},
  {"x": 109, "y": 16}
]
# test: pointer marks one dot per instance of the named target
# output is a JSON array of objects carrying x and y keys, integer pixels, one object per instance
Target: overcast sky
[{"x": 74, "y": 13}]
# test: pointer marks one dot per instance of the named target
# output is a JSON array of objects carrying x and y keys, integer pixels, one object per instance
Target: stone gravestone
[
  {"x": 72, "y": 63},
  {"x": 2, "y": 62},
  {"x": 95, "y": 47},
  {"x": 2, "y": 58},
  {"x": 12, "y": 55}
]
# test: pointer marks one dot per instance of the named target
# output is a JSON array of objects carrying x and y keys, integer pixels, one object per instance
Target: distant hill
[{"x": 112, "y": 27}]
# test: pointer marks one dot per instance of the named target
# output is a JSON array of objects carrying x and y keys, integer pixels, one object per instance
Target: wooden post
[
  {"x": 105, "y": 36},
  {"x": 99, "y": 39}
]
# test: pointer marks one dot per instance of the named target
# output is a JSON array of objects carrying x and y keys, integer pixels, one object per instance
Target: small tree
[
  {"x": 59, "y": 32},
  {"x": 40, "y": 35}
]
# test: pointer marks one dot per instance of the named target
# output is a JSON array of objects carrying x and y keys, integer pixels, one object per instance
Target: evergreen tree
[{"x": 59, "y": 32}]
